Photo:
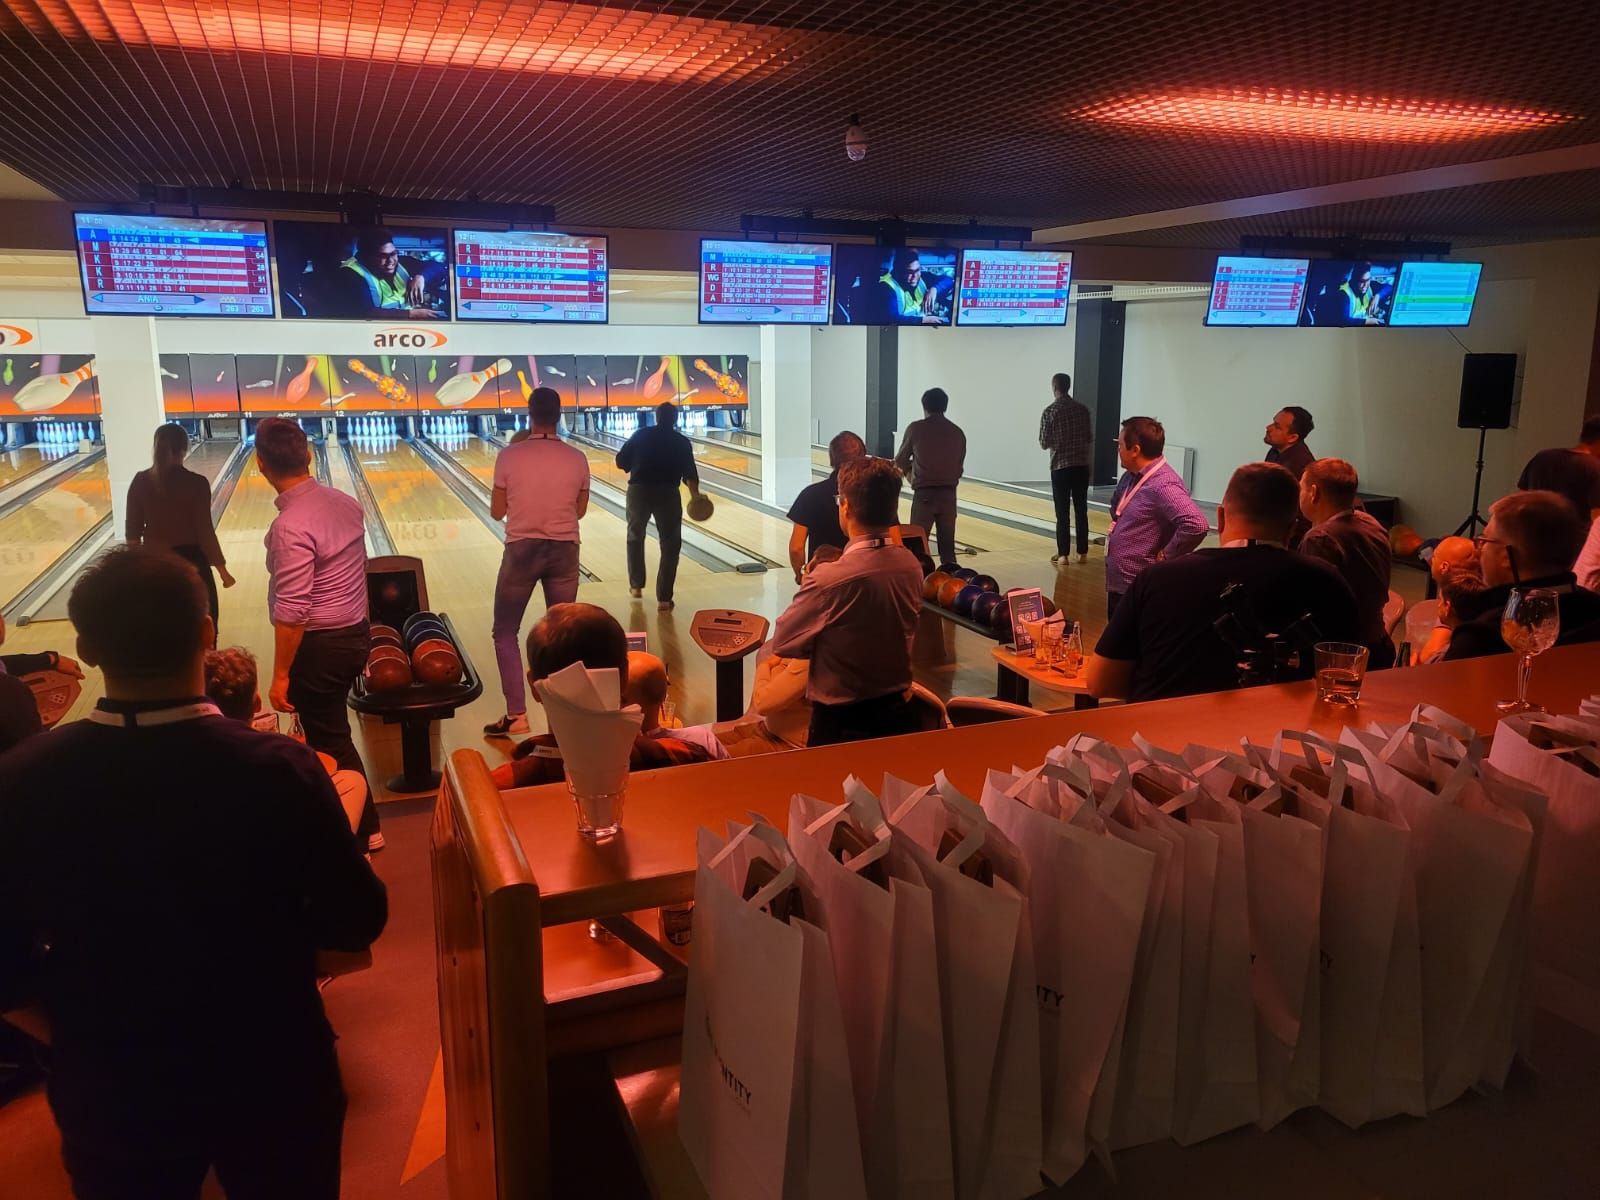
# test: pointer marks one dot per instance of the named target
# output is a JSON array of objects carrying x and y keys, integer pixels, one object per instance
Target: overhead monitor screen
[
  {"x": 1435, "y": 293},
  {"x": 886, "y": 285},
  {"x": 513, "y": 275},
  {"x": 331, "y": 272},
  {"x": 764, "y": 283},
  {"x": 1014, "y": 287},
  {"x": 1349, "y": 293},
  {"x": 173, "y": 266},
  {"x": 1257, "y": 291}
]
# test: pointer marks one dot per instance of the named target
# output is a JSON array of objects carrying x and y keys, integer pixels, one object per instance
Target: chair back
[
  {"x": 980, "y": 710},
  {"x": 929, "y": 709},
  {"x": 1393, "y": 609}
]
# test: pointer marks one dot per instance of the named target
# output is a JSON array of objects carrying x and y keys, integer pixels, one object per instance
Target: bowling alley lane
[
  {"x": 35, "y": 536},
  {"x": 736, "y": 460},
  {"x": 23, "y": 461}
]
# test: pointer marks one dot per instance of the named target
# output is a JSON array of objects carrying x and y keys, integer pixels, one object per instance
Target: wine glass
[{"x": 1530, "y": 625}]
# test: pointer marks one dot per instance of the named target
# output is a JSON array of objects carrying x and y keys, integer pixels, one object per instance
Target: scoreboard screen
[
  {"x": 1435, "y": 293},
  {"x": 764, "y": 283},
  {"x": 173, "y": 266},
  {"x": 1257, "y": 291},
  {"x": 528, "y": 276},
  {"x": 1014, "y": 287}
]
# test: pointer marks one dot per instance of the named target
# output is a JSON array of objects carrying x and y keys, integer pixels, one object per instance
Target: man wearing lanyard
[
  {"x": 317, "y": 594},
  {"x": 1152, "y": 514},
  {"x": 854, "y": 618},
  {"x": 541, "y": 490}
]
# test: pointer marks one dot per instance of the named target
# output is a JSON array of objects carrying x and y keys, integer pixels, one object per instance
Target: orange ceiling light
[
  {"x": 503, "y": 35},
  {"x": 1286, "y": 114}
]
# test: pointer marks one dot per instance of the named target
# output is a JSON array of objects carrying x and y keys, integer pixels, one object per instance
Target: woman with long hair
[{"x": 169, "y": 508}]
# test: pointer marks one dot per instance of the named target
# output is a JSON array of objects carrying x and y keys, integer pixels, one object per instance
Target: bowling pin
[
  {"x": 301, "y": 383},
  {"x": 459, "y": 389},
  {"x": 47, "y": 391}
]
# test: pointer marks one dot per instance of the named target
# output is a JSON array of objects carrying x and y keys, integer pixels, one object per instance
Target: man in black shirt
[
  {"x": 1575, "y": 473},
  {"x": 1162, "y": 639},
  {"x": 1531, "y": 541},
  {"x": 1352, "y": 543},
  {"x": 815, "y": 511},
  {"x": 1286, "y": 439},
  {"x": 167, "y": 877},
  {"x": 657, "y": 459}
]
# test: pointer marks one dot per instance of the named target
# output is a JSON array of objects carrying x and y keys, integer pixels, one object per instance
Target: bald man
[
  {"x": 1454, "y": 554},
  {"x": 647, "y": 687}
]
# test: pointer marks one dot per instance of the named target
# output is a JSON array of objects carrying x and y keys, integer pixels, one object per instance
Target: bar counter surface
[{"x": 652, "y": 861}]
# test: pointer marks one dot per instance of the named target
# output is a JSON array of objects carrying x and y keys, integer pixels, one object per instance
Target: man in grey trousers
[{"x": 932, "y": 454}]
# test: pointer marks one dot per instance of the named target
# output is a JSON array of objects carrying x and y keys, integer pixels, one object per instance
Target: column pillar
[
  {"x": 1097, "y": 376},
  {"x": 783, "y": 396},
  {"x": 883, "y": 390},
  {"x": 129, "y": 376}
]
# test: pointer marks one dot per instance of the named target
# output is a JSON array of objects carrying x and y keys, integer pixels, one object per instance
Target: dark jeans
[
  {"x": 196, "y": 558},
  {"x": 1070, "y": 489},
  {"x": 882, "y": 716},
  {"x": 1112, "y": 600},
  {"x": 664, "y": 506},
  {"x": 526, "y": 564},
  {"x": 932, "y": 506},
  {"x": 328, "y": 662},
  {"x": 278, "y": 1143}
]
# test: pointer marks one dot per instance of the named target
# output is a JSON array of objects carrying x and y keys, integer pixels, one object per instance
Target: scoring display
[
  {"x": 1257, "y": 291},
  {"x": 764, "y": 283},
  {"x": 1014, "y": 287},
  {"x": 527, "y": 276},
  {"x": 173, "y": 266}
]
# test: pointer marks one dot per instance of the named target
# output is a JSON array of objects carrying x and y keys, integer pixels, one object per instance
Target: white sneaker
[{"x": 507, "y": 726}]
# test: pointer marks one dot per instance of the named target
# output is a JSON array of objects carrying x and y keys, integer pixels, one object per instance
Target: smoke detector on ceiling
[{"x": 855, "y": 140}]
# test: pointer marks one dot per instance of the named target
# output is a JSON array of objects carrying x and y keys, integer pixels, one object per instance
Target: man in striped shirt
[
  {"x": 1065, "y": 431},
  {"x": 1152, "y": 514}
]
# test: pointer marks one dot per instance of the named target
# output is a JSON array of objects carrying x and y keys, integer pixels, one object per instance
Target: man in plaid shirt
[{"x": 1064, "y": 430}]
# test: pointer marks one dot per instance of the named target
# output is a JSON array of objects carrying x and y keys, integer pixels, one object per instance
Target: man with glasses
[{"x": 1532, "y": 541}]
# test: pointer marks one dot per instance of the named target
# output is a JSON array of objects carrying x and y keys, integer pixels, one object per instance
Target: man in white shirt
[
  {"x": 1588, "y": 568},
  {"x": 541, "y": 489}
]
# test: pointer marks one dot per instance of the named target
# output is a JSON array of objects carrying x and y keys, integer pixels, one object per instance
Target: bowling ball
[
  {"x": 422, "y": 631},
  {"x": 1404, "y": 540},
  {"x": 983, "y": 608},
  {"x": 390, "y": 593},
  {"x": 375, "y": 630},
  {"x": 928, "y": 566},
  {"x": 436, "y": 662},
  {"x": 385, "y": 639},
  {"x": 948, "y": 590},
  {"x": 388, "y": 675},
  {"x": 966, "y": 598},
  {"x": 986, "y": 583},
  {"x": 700, "y": 507},
  {"x": 382, "y": 652},
  {"x": 415, "y": 617},
  {"x": 932, "y": 584},
  {"x": 965, "y": 574},
  {"x": 1000, "y": 619}
]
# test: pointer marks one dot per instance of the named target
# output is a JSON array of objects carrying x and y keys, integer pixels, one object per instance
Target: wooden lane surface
[
  {"x": 604, "y": 548},
  {"x": 36, "y": 535},
  {"x": 742, "y": 438},
  {"x": 728, "y": 458},
  {"x": 339, "y": 477},
  {"x": 737, "y": 523},
  {"x": 24, "y": 461},
  {"x": 656, "y": 847}
]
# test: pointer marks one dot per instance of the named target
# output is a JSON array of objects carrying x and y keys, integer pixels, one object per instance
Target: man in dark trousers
[
  {"x": 815, "y": 511},
  {"x": 1354, "y": 544},
  {"x": 657, "y": 459},
  {"x": 1066, "y": 431},
  {"x": 933, "y": 454},
  {"x": 167, "y": 879},
  {"x": 317, "y": 593}
]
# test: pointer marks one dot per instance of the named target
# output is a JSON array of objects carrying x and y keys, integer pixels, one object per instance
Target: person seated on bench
[
  {"x": 231, "y": 684},
  {"x": 647, "y": 687},
  {"x": 582, "y": 633},
  {"x": 19, "y": 714}
]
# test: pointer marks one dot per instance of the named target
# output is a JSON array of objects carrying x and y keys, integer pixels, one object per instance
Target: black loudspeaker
[{"x": 1488, "y": 383}]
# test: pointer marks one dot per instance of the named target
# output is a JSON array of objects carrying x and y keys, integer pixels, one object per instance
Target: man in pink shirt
[
  {"x": 317, "y": 594},
  {"x": 541, "y": 490}
]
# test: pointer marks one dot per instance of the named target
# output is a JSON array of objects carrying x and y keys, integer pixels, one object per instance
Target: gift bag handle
[
  {"x": 967, "y": 814},
  {"x": 768, "y": 834}
]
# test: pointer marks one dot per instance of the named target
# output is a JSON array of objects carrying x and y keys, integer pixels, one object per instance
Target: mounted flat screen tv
[
  {"x": 888, "y": 285},
  {"x": 1014, "y": 287}
]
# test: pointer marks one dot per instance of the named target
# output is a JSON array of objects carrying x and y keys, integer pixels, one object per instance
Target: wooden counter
[{"x": 652, "y": 861}]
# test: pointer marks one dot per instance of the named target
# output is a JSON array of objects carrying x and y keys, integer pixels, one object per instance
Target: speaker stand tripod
[{"x": 1470, "y": 526}]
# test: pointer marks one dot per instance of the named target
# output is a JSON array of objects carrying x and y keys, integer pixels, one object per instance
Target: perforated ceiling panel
[{"x": 686, "y": 114}]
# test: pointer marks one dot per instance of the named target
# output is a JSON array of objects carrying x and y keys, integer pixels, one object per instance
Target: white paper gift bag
[
  {"x": 987, "y": 984},
  {"x": 880, "y": 926},
  {"x": 766, "y": 1108},
  {"x": 1087, "y": 893},
  {"x": 1560, "y": 756}
]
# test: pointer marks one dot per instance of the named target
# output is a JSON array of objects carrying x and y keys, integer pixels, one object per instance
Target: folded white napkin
[{"x": 594, "y": 732}]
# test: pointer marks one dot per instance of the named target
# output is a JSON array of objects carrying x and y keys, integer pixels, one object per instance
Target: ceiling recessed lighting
[{"x": 1267, "y": 112}]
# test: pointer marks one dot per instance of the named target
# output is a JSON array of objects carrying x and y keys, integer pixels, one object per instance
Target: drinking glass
[
  {"x": 599, "y": 815},
  {"x": 1341, "y": 667},
  {"x": 1050, "y": 648},
  {"x": 1530, "y": 625}
]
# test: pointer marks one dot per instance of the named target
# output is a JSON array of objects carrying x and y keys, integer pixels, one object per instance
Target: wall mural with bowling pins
[
  {"x": 213, "y": 383},
  {"x": 283, "y": 383},
  {"x": 464, "y": 382},
  {"x": 643, "y": 381},
  {"x": 177, "y": 387},
  {"x": 589, "y": 371},
  {"x": 373, "y": 383},
  {"x": 46, "y": 386},
  {"x": 713, "y": 379}
]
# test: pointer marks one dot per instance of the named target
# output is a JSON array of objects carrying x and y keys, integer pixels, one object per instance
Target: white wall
[
  {"x": 838, "y": 381},
  {"x": 999, "y": 383},
  {"x": 1385, "y": 399}
]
